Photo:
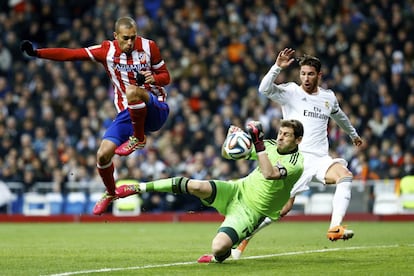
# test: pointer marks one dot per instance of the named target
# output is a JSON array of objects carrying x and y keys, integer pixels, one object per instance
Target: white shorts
[{"x": 315, "y": 168}]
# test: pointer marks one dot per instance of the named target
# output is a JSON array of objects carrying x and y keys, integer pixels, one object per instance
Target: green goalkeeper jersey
[{"x": 269, "y": 196}]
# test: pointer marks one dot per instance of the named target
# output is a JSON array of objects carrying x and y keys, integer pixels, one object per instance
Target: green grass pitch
[{"x": 284, "y": 248}]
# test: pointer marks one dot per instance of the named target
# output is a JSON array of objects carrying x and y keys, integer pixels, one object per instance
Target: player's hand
[
  {"x": 357, "y": 141},
  {"x": 285, "y": 58},
  {"x": 255, "y": 129},
  {"x": 27, "y": 47},
  {"x": 149, "y": 78},
  {"x": 140, "y": 79},
  {"x": 233, "y": 129}
]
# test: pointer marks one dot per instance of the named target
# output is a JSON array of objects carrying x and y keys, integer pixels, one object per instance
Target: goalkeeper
[{"x": 245, "y": 202}]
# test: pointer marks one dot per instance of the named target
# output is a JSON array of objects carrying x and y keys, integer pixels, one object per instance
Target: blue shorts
[{"x": 121, "y": 127}]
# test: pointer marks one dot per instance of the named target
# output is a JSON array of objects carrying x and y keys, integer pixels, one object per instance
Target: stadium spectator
[
  {"x": 6, "y": 60},
  {"x": 378, "y": 123},
  {"x": 138, "y": 74},
  {"x": 243, "y": 202},
  {"x": 408, "y": 164}
]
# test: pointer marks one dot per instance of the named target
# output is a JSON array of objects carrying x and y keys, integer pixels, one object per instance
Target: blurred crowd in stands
[{"x": 53, "y": 114}]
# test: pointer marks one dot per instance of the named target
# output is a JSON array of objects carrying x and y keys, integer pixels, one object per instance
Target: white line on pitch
[{"x": 249, "y": 258}]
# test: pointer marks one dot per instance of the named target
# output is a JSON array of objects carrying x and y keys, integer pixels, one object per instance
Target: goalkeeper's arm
[{"x": 287, "y": 207}]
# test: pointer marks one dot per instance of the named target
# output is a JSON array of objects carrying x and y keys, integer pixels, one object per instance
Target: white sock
[
  {"x": 341, "y": 201},
  {"x": 143, "y": 187}
]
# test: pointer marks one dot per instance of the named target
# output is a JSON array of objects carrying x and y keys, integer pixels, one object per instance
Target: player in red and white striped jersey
[{"x": 138, "y": 74}]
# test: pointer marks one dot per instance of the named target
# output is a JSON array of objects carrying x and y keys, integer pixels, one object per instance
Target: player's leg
[
  {"x": 221, "y": 248},
  {"x": 177, "y": 185},
  {"x": 338, "y": 174},
  {"x": 138, "y": 98},
  {"x": 117, "y": 132},
  {"x": 238, "y": 251},
  {"x": 235, "y": 227},
  {"x": 300, "y": 186}
]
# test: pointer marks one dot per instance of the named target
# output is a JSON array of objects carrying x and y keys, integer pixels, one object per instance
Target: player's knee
[
  {"x": 198, "y": 187},
  {"x": 103, "y": 157},
  {"x": 221, "y": 245},
  {"x": 131, "y": 93},
  {"x": 341, "y": 172},
  {"x": 135, "y": 94},
  {"x": 346, "y": 174}
]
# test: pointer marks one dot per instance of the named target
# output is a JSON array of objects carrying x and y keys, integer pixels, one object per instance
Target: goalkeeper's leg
[{"x": 238, "y": 251}]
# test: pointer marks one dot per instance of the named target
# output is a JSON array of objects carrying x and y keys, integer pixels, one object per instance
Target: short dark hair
[
  {"x": 310, "y": 61},
  {"x": 125, "y": 21},
  {"x": 295, "y": 125}
]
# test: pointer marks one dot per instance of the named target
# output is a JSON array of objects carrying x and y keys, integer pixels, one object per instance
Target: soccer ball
[{"x": 238, "y": 145}]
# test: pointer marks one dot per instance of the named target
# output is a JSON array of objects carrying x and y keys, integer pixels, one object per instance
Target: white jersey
[{"x": 314, "y": 111}]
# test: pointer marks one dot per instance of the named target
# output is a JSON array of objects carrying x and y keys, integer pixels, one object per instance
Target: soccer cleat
[
  {"x": 207, "y": 259},
  {"x": 127, "y": 190},
  {"x": 339, "y": 233},
  {"x": 130, "y": 146},
  {"x": 103, "y": 203}
]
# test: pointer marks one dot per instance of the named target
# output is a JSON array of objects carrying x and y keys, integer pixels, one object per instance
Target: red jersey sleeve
[
  {"x": 63, "y": 54},
  {"x": 159, "y": 68},
  {"x": 95, "y": 53},
  {"x": 98, "y": 52}
]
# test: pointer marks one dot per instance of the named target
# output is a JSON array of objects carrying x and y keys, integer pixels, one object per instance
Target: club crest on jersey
[
  {"x": 142, "y": 57},
  {"x": 327, "y": 105}
]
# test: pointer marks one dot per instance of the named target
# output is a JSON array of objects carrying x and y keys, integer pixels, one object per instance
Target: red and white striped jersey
[{"x": 120, "y": 67}]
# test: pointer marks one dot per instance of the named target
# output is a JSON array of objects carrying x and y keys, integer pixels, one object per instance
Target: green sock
[
  {"x": 162, "y": 185},
  {"x": 176, "y": 185}
]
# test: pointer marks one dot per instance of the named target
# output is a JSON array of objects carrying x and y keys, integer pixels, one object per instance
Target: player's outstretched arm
[
  {"x": 267, "y": 85},
  {"x": 56, "y": 54},
  {"x": 27, "y": 47},
  {"x": 285, "y": 58}
]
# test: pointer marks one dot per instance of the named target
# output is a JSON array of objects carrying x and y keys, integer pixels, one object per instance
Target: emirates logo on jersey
[
  {"x": 129, "y": 67},
  {"x": 316, "y": 113},
  {"x": 129, "y": 64}
]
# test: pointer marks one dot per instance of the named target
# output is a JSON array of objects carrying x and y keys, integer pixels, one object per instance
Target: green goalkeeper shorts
[{"x": 240, "y": 220}]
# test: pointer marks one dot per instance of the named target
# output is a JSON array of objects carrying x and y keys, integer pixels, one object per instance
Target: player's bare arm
[{"x": 288, "y": 206}]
